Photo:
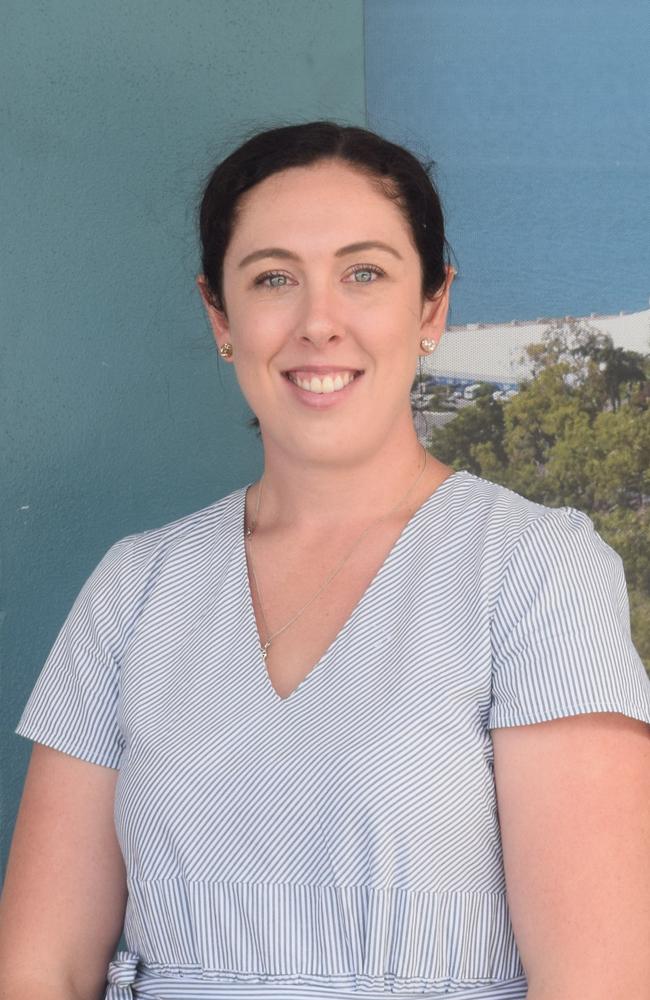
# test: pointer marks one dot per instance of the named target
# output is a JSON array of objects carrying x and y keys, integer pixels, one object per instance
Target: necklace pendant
[{"x": 264, "y": 649}]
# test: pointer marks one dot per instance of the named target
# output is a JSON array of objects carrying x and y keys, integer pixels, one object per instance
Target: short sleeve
[
  {"x": 560, "y": 631},
  {"x": 73, "y": 706}
]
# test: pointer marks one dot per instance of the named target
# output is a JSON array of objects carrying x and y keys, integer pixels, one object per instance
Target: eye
[
  {"x": 358, "y": 269},
  {"x": 269, "y": 274},
  {"x": 369, "y": 268}
]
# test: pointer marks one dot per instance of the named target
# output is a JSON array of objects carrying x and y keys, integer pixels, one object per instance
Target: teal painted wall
[{"x": 118, "y": 415}]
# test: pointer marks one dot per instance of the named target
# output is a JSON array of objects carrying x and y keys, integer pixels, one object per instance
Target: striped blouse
[{"x": 343, "y": 840}]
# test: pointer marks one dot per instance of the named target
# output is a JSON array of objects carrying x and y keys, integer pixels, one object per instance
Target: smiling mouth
[{"x": 325, "y": 384}]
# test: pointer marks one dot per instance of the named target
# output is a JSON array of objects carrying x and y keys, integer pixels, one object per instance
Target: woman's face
[{"x": 298, "y": 294}]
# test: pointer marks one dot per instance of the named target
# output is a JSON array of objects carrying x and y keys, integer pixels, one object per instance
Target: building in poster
[{"x": 495, "y": 352}]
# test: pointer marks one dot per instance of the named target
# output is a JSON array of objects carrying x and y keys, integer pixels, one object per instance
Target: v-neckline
[{"x": 250, "y": 623}]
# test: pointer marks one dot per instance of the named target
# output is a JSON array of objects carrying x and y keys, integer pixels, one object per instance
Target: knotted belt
[{"x": 121, "y": 975}]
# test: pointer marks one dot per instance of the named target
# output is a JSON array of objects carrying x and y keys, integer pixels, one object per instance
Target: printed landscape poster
[{"x": 535, "y": 117}]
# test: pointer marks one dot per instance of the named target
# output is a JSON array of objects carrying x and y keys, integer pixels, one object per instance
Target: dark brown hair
[{"x": 396, "y": 173}]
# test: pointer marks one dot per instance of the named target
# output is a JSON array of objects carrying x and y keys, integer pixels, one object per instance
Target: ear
[
  {"x": 218, "y": 319},
  {"x": 436, "y": 309}
]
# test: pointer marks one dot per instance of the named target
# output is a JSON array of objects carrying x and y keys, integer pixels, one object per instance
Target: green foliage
[
  {"x": 640, "y": 622},
  {"x": 577, "y": 434},
  {"x": 461, "y": 442}
]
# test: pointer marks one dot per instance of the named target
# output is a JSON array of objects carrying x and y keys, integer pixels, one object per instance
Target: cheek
[{"x": 258, "y": 337}]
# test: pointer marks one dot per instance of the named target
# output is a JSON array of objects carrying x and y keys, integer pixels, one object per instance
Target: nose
[
  {"x": 319, "y": 337},
  {"x": 320, "y": 321}
]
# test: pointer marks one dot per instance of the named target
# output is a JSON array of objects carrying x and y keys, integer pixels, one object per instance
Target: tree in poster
[{"x": 577, "y": 434}]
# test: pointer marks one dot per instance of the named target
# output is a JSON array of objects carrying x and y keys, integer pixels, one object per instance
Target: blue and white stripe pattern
[{"x": 345, "y": 839}]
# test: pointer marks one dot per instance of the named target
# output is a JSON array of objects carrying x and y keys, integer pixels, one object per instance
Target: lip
[
  {"x": 319, "y": 369},
  {"x": 322, "y": 400}
]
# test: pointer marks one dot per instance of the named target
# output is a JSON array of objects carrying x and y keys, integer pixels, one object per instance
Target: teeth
[{"x": 326, "y": 384}]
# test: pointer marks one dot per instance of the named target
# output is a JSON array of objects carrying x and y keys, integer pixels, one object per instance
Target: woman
[{"x": 369, "y": 725}]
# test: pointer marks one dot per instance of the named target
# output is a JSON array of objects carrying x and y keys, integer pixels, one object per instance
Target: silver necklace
[{"x": 251, "y": 529}]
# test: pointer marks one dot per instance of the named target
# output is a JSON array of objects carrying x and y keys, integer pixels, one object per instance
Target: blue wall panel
[{"x": 537, "y": 114}]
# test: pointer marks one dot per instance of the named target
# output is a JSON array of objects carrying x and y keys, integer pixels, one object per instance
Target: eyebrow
[{"x": 289, "y": 255}]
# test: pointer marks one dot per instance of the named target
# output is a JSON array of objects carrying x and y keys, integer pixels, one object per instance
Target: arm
[
  {"x": 573, "y": 799},
  {"x": 64, "y": 896}
]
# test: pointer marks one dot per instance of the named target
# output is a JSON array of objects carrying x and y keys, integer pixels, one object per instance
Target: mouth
[
  {"x": 327, "y": 394},
  {"x": 332, "y": 374}
]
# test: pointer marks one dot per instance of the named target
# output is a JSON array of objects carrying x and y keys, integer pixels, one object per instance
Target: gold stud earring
[
  {"x": 428, "y": 345},
  {"x": 225, "y": 350}
]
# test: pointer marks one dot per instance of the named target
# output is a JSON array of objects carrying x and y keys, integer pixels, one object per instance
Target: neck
[{"x": 309, "y": 499}]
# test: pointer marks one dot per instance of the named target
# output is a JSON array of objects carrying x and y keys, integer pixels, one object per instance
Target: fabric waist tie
[
  {"x": 121, "y": 975},
  {"x": 129, "y": 978}
]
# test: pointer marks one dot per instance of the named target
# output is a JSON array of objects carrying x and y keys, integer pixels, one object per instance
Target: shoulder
[
  {"x": 179, "y": 551},
  {"x": 504, "y": 521},
  {"x": 218, "y": 521},
  {"x": 483, "y": 497}
]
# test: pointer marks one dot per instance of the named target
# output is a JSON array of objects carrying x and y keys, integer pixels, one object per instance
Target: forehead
[{"x": 320, "y": 196}]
